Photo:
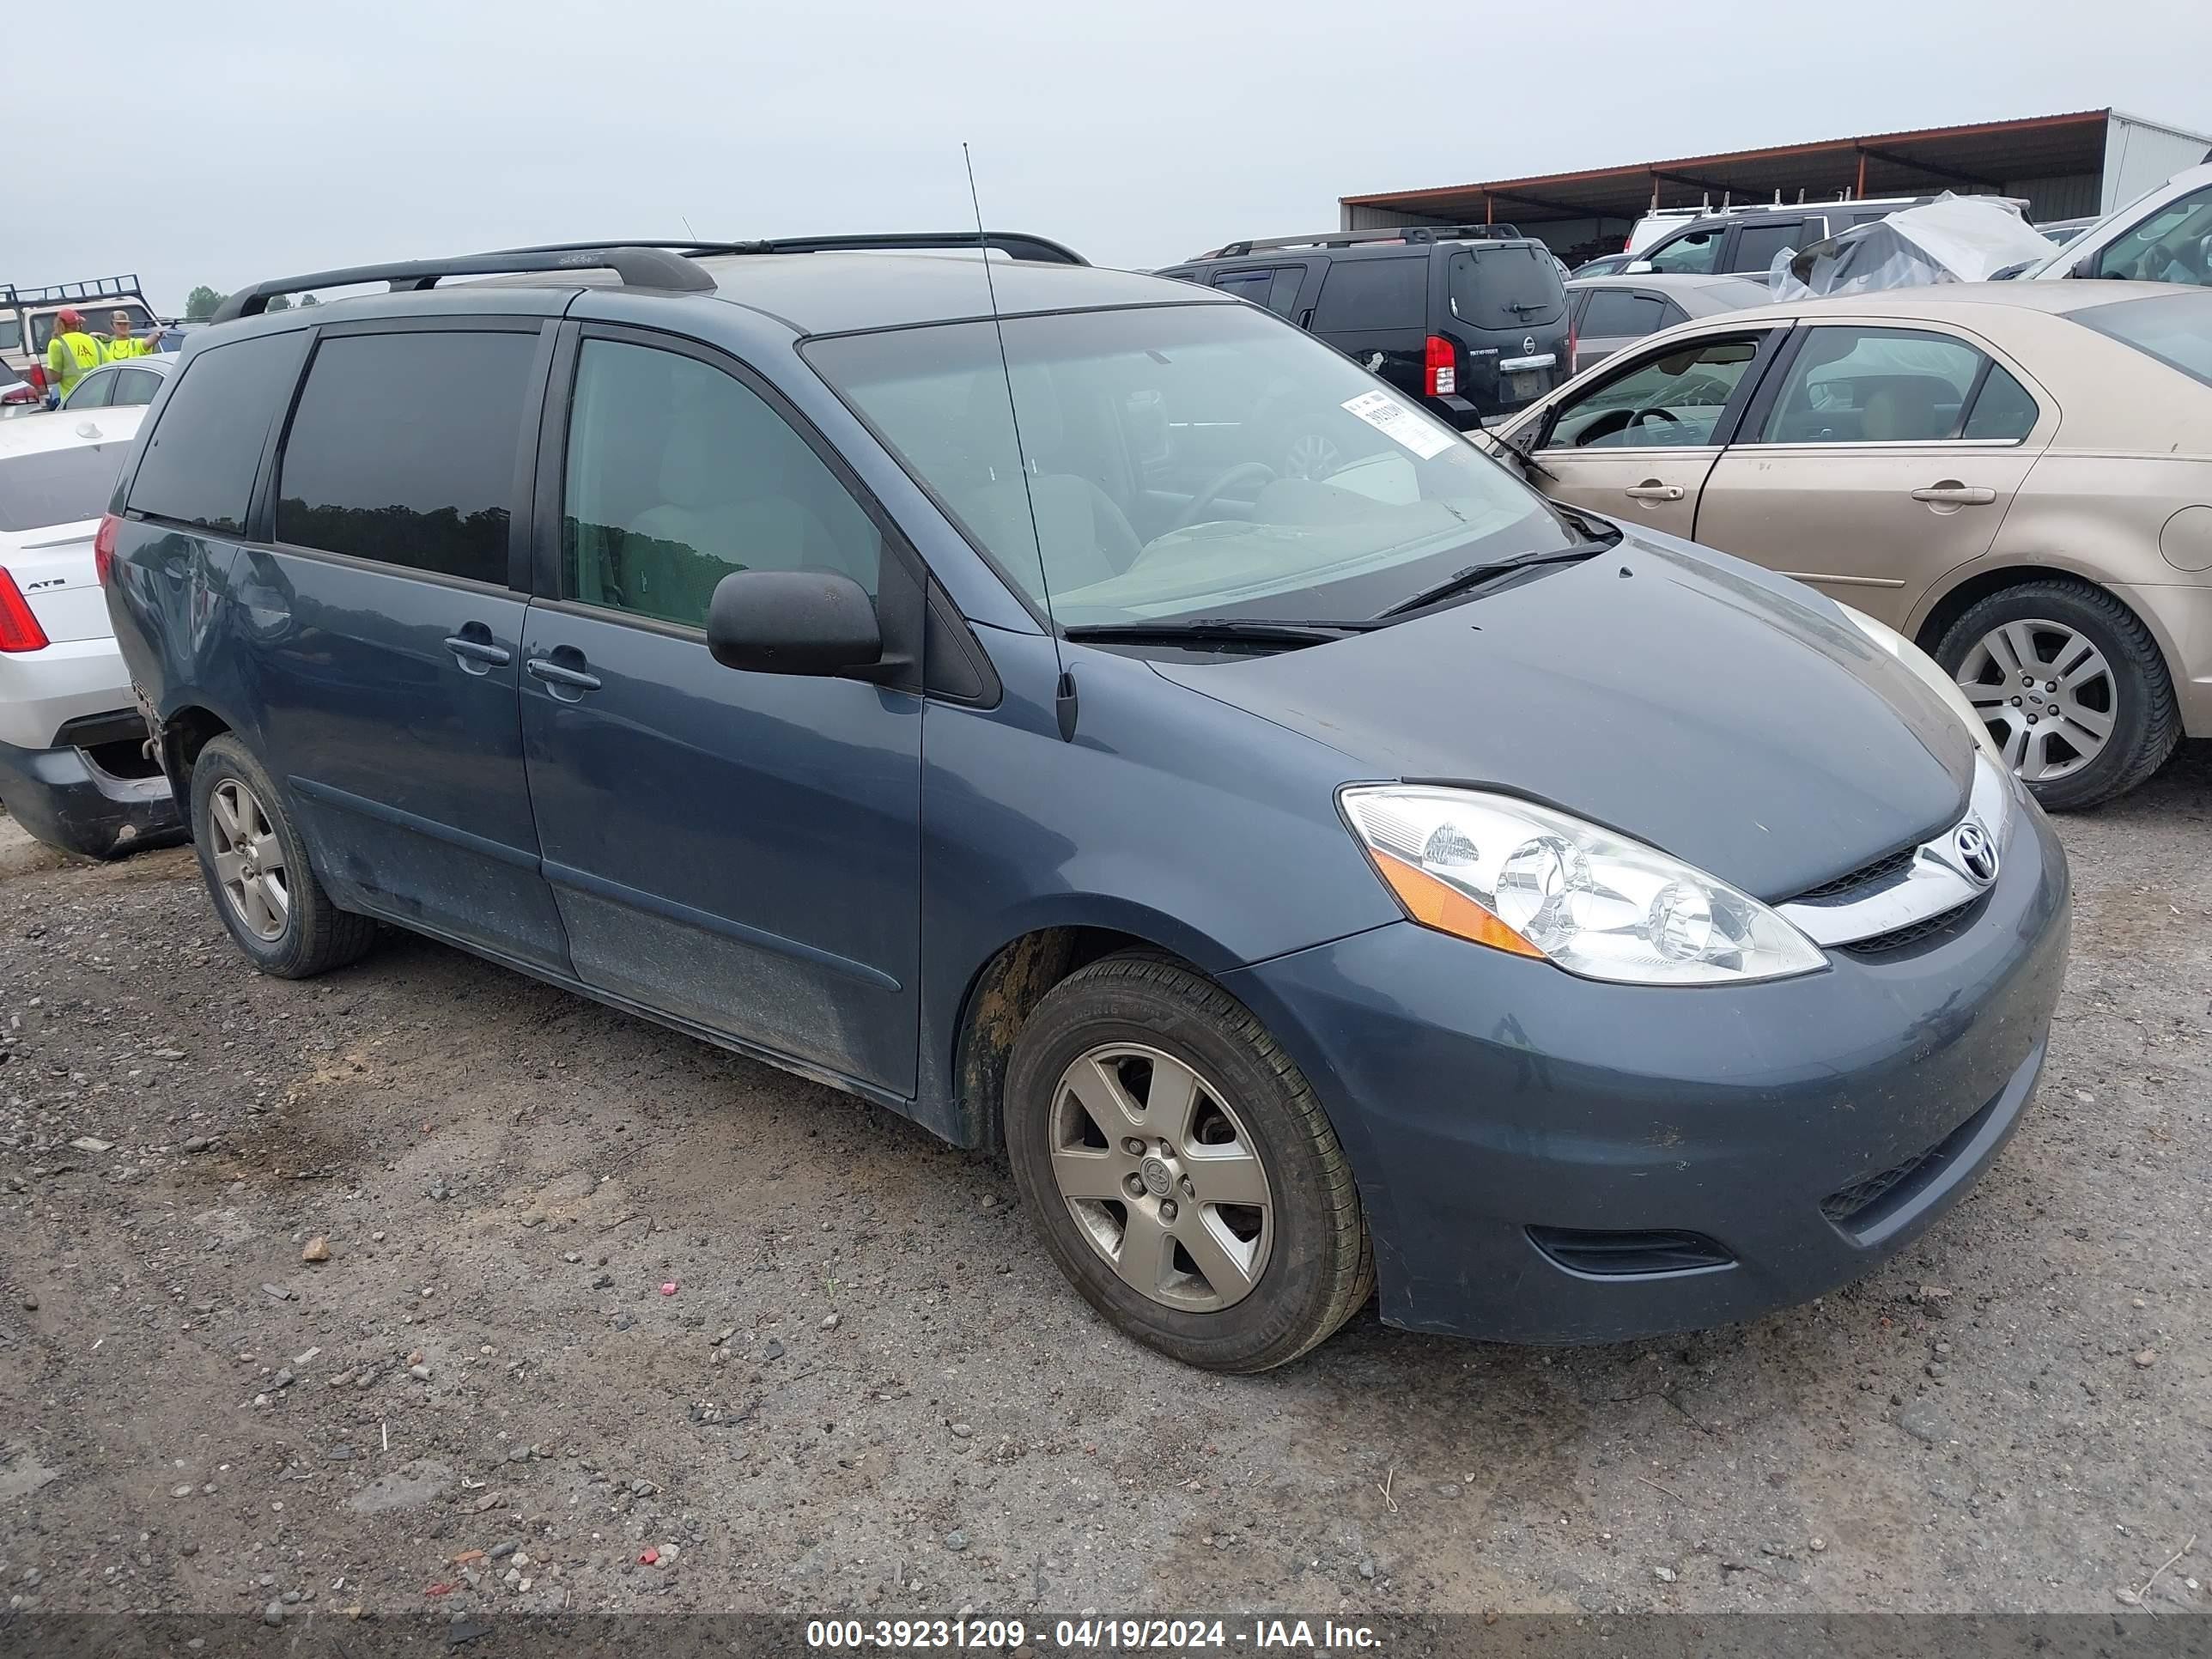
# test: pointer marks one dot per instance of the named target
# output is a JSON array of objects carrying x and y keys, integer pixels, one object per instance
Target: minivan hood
[{"x": 1703, "y": 706}]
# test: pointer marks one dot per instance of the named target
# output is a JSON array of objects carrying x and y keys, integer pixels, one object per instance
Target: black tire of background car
[
  {"x": 1321, "y": 1268},
  {"x": 317, "y": 936},
  {"x": 2146, "y": 725}
]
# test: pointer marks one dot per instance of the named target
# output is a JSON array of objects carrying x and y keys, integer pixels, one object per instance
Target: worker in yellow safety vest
[
  {"x": 70, "y": 355},
  {"x": 121, "y": 342}
]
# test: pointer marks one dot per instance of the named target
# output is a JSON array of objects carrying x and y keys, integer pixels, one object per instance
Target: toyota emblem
[
  {"x": 1529, "y": 345},
  {"x": 1977, "y": 853}
]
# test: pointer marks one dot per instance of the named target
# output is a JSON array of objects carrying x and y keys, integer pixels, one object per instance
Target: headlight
[
  {"x": 1928, "y": 672},
  {"x": 1521, "y": 877}
]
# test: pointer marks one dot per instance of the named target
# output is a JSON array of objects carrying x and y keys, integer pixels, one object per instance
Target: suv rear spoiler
[{"x": 1352, "y": 238}]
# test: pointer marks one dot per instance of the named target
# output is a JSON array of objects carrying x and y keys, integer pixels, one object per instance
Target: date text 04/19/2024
[{"x": 1091, "y": 1635}]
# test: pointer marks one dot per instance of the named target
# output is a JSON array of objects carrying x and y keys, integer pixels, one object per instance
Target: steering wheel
[
  {"x": 1644, "y": 415},
  {"x": 1253, "y": 471}
]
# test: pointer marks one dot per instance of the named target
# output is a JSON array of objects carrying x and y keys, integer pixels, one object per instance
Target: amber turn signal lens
[{"x": 1437, "y": 904}]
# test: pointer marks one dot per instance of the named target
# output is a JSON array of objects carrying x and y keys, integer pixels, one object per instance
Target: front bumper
[
  {"x": 67, "y": 799},
  {"x": 1480, "y": 1096}
]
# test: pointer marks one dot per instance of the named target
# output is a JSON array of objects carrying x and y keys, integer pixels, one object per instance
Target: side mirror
[
  {"x": 1637, "y": 268},
  {"x": 792, "y": 621}
]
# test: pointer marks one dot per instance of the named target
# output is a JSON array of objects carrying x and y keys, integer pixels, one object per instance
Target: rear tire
[
  {"x": 2130, "y": 693},
  {"x": 1213, "y": 1216},
  {"x": 256, "y": 873}
]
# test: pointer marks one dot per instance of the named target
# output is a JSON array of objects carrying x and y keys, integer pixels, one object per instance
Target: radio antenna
[{"x": 1063, "y": 696}]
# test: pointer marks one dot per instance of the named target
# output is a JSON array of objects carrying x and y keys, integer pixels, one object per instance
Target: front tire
[
  {"x": 2072, "y": 686},
  {"x": 1179, "y": 1169},
  {"x": 256, "y": 869}
]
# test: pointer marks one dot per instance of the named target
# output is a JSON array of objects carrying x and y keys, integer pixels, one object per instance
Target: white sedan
[{"x": 72, "y": 769}]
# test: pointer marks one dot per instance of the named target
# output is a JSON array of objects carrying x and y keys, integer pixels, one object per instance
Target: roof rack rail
[
  {"x": 1014, "y": 244},
  {"x": 1383, "y": 234},
  {"x": 125, "y": 287},
  {"x": 637, "y": 267}
]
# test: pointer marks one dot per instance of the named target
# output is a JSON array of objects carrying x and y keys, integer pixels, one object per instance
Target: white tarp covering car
[{"x": 1954, "y": 239}]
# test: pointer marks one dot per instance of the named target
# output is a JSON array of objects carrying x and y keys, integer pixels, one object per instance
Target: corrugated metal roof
[{"x": 1982, "y": 157}]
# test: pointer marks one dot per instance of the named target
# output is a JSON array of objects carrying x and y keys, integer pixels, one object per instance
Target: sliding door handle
[
  {"x": 555, "y": 674},
  {"x": 481, "y": 651}
]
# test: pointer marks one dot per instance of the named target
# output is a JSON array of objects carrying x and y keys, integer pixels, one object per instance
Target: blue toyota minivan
[{"x": 927, "y": 672}]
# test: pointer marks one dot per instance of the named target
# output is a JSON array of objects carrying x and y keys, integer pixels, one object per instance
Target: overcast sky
[{"x": 1138, "y": 130}]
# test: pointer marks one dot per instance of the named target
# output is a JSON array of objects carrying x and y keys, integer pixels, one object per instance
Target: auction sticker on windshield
[{"x": 1399, "y": 423}]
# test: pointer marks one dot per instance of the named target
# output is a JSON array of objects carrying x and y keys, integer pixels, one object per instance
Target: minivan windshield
[{"x": 1201, "y": 460}]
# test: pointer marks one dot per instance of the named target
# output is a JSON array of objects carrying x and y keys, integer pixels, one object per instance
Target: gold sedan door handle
[
  {"x": 1951, "y": 492},
  {"x": 1652, "y": 490}
]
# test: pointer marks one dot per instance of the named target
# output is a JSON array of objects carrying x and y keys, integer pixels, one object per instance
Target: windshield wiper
[
  {"x": 1231, "y": 630},
  {"x": 1475, "y": 575}
]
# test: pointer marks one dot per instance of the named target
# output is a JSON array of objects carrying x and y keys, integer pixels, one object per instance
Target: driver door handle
[
  {"x": 1652, "y": 490},
  {"x": 1956, "y": 495}
]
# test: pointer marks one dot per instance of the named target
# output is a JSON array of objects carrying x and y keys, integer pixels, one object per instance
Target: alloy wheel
[
  {"x": 2046, "y": 693},
  {"x": 1162, "y": 1178},
  {"x": 249, "y": 860}
]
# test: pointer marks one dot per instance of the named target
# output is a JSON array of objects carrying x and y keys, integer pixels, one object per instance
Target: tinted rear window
[
  {"x": 403, "y": 450},
  {"x": 1505, "y": 288},
  {"x": 1359, "y": 296},
  {"x": 11, "y": 333},
  {"x": 2174, "y": 328},
  {"x": 58, "y": 486},
  {"x": 199, "y": 465},
  {"x": 1614, "y": 312}
]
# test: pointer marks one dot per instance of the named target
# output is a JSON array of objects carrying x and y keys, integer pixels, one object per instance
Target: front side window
[
  {"x": 1850, "y": 386},
  {"x": 1664, "y": 403},
  {"x": 678, "y": 474},
  {"x": 1698, "y": 253},
  {"x": 2173, "y": 245},
  {"x": 402, "y": 450},
  {"x": 200, "y": 464},
  {"x": 1183, "y": 461}
]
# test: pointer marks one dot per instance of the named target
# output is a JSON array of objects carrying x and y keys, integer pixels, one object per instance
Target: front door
[
  {"x": 740, "y": 850},
  {"x": 1885, "y": 457},
  {"x": 384, "y": 635},
  {"x": 1638, "y": 443}
]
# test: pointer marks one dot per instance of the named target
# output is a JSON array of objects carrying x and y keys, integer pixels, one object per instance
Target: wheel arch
[
  {"x": 1968, "y": 588},
  {"x": 185, "y": 732}
]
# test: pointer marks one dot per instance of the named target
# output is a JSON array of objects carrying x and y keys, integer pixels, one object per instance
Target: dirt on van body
[{"x": 426, "y": 1286}]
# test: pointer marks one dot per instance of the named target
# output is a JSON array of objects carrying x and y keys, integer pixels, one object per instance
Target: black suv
[{"x": 1472, "y": 318}]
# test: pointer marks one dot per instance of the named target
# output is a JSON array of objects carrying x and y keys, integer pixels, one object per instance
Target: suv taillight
[
  {"x": 103, "y": 549},
  {"x": 19, "y": 629},
  {"x": 36, "y": 376},
  {"x": 1442, "y": 372},
  {"x": 1574, "y": 352}
]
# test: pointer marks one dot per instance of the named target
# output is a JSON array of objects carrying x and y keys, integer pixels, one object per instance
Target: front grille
[
  {"x": 1913, "y": 934},
  {"x": 1615, "y": 1255},
  {"x": 1880, "y": 873}
]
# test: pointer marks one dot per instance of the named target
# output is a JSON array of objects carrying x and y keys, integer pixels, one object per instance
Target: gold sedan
[{"x": 2017, "y": 475}]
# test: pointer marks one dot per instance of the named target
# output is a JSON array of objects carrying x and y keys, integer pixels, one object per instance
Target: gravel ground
[{"x": 611, "y": 1320}]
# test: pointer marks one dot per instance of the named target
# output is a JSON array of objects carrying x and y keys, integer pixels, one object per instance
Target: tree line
[{"x": 201, "y": 303}]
